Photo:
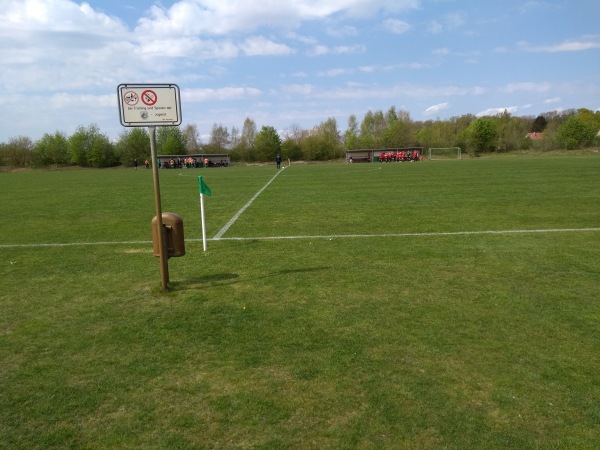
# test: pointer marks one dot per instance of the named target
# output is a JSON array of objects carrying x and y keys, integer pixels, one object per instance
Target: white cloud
[
  {"x": 549, "y": 101},
  {"x": 534, "y": 7},
  {"x": 260, "y": 46},
  {"x": 454, "y": 20},
  {"x": 435, "y": 27},
  {"x": 341, "y": 31},
  {"x": 63, "y": 16},
  {"x": 353, "y": 91},
  {"x": 435, "y": 109},
  {"x": 396, "y": 26},
  {"x": 320, "y": 49},
  {"x": 66, "y": 100},
  {"x": 541, "y": 86},
  {"x": 299, "y": 89},
  {"x": 495, "y": 111},
  {"x": 333, "y": 72},
  {"x": 449, "y": 22},
  {"x": 222, "y": 17},
  {"x": 586, "y": 43},
  {"x": 220, "y": 94}
]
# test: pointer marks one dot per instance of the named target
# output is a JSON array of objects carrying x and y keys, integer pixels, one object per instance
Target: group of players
[
  {"x": 400, "y": 156},
  {"x": 189, "y": 163}
]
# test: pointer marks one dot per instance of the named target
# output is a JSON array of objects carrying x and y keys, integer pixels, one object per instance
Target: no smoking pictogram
[
  {"x": 131, "y": 98},
  {"x": 149, "y": 97}
]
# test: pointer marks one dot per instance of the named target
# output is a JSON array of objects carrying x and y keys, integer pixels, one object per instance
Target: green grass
[{"x": 388, "y": 339}]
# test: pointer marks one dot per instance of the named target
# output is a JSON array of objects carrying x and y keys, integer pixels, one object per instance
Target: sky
[{"x": 293, "y": 63}]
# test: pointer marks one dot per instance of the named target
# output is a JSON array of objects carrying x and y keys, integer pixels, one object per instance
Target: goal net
[{"x": 444, "y": 153}]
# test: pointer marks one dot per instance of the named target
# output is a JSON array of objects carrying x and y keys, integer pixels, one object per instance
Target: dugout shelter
[
  {"x": 376, "y": 155},
  {"x": 356, "y": 156},
  {"x": 194, "y": 161}
]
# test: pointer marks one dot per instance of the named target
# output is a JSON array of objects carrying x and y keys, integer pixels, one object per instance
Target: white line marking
[
  {"x": 72, "y": 244},
  {"x": 239, "y": 213},
  {"x": 331, "y": 236},
  {"x": 433, "y": 233}
]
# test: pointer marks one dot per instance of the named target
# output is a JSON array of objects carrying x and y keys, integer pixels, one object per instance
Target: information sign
[{"x": 142, "y": 105}]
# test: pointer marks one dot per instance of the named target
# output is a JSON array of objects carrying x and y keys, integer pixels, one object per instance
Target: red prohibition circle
[
  {"x": 131, "y": 98},
  {"x": 149, "y": 97}
]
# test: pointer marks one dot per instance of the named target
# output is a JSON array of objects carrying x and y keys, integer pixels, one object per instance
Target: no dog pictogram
[
  {"x": 131, "y": 98},
  {"x": 149, "y": 97}
]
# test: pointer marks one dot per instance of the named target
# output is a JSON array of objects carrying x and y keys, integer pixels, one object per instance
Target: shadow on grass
[{"x": 221, "y": 279}]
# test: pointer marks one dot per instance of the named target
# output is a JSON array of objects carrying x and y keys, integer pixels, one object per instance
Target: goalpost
[{"x": 444, "y": 153}]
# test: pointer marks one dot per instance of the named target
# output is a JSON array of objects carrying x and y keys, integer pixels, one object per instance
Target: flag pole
[
  {"x": 204, "y": 189},
  {"x": 203, "y": 222}
]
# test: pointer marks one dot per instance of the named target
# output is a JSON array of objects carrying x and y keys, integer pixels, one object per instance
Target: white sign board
[{"x": 142, "y": 105}]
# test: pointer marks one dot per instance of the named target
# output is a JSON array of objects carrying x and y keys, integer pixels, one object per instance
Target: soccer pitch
[{"x": 438, "y": 304}]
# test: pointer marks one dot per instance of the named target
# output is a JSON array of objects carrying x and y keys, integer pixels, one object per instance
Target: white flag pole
[{"x": 203, "y": 222}]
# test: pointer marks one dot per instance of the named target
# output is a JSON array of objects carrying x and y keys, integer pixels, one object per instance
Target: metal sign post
[
  {"x": 152, "y": 105},
  {"x": 162, "y": 248}
]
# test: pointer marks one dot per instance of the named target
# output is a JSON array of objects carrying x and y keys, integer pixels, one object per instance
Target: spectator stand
[{"x": 198, "y": 160}]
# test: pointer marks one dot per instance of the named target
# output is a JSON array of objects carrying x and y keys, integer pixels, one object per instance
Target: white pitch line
[
  {"x": 330, "y": 236},
  {"x": 432, "y": 233},
  {"x": 239, "y": 213},
  {"x": 73, "y": 244}
]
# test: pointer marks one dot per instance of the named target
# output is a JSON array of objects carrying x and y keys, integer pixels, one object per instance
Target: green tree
[
  {"x": 351, "y": 139},
  {"x": 267, "y": 143},
  {"x": 133, "y": 144},
  {"x": 219, "y": 141},
  {"x": 436, "y": 134},
  {"x": 368, "y": 129},
  {"x": 192, "y": 139},
  {"x": 89, "y": 147},
  {"x": 52, "y": 149},
  {"x": 397, "y": 134},
  {"x": 291, "y": 148},
  {"x": 372, "y": 129},
  {"x": 539, "y": 124},
  {"x": 243, "y": 150},
  {"x": 512, "y": 132},
  {"x": 18, "y": 152},
  {"x": 592, "y": 117},
  {"x": 170, "y": 141},
  {"x": 575, "y": 133},
  {"x": 323, "y": 142},
  {"x": 482, "y": 135}
]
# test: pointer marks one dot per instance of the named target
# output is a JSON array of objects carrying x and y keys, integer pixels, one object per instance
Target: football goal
[{"x": 444, "y": 153}]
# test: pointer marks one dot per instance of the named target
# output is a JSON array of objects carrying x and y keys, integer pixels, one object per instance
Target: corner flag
[{"x": 204, "y": 189}]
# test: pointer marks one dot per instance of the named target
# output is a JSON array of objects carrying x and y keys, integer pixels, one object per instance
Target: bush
[{"x": 575, "y": 133}]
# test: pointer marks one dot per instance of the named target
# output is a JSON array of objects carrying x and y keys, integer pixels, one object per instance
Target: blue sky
[{"x": 294, "y": 63}]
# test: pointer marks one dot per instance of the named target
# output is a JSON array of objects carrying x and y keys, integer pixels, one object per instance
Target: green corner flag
[{"x": 204, "y": 189}]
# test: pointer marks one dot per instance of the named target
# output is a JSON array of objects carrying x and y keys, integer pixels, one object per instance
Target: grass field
[{"x": 450, "y": 304}]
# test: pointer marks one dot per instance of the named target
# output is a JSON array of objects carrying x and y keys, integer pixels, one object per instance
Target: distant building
[{"x": 535, "y": 136}]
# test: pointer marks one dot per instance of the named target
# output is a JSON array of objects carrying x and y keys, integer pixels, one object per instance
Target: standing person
[
  {"x": 278, "y": 161},
  {"x": 135, "y": 164}
]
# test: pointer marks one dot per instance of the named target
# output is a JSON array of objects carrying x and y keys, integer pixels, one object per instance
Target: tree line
[{"x": 89, "y": 147}]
